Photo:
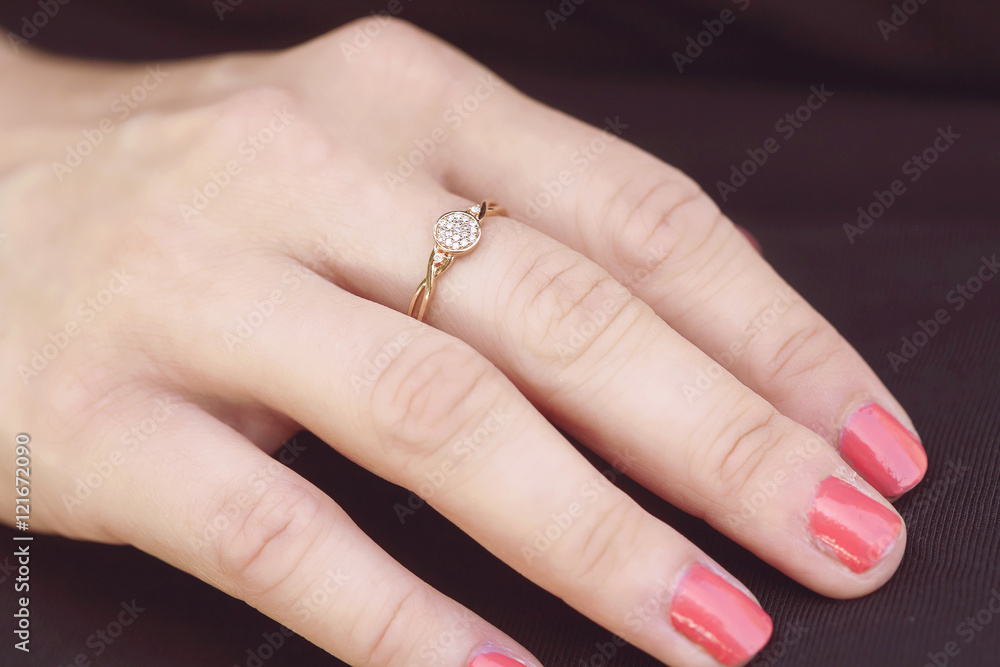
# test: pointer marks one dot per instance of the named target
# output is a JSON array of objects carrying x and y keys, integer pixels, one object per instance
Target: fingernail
[
  {"x": 889, "y": 457},
  {"x": 751, "y": 238},
  {"x": 709, "y": 610},
  {"x": 494, "y": 660},
  {"x": 856, "y": 528}
]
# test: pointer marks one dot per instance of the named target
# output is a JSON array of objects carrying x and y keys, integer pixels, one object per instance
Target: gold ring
[{"x": 455, "y": 233}]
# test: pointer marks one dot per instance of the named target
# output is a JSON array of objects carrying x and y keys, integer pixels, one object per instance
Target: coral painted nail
[
  {"x": 494, "y": 660},
  {"x": 856, "y": 528},
  {"x": 888, "y": 456},
  {"x": 709, "y": 610}
]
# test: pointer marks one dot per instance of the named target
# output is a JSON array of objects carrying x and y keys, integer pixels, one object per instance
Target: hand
[{"x": 225, "y": 255}]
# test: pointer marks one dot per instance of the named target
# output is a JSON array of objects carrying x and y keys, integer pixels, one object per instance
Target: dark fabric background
[{"x": 614, "y": 59}]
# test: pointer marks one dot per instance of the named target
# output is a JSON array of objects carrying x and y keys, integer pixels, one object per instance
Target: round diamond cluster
[{"x": 456, "y": 231}]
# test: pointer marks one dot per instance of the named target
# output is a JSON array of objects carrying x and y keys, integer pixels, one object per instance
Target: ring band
[{"x": 455, "y": 233}]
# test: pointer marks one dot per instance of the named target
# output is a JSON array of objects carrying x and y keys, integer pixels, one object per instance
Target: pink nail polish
[
  {"x": 889, "y": 457},
  {"x": 494, "y": 660},
  {"x": 712, "y": 612},
  {"x": 856, "y": 528}
]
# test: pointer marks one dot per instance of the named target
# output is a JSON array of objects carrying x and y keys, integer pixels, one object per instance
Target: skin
[{"x": 592, "y": 313}]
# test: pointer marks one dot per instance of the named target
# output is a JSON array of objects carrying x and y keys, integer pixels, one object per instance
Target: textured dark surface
[
  {"x": 876, "y": 290},
  {"x": 942, "y": 45}
]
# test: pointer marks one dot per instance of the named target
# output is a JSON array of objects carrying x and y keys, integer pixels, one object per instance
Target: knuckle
[
  {"x": 567, "y": 306},
  {"x": 796, "y": 352},
  {"x": 390, "y": 621},
  {"x": 750, "y": 432},
  {"x": 605, "y": 544},
  {"x": 254, "y": 106},
  {"x": 269, "y": 535},
  {"x": 83, "y": 381},
  {"x": 376, "y": 24},
  {"x": 432, "y": 392},
  {"x": 400, "y": 53},
  {"x": 659, "y": 222},
  {"x": 241, "y": 126}
]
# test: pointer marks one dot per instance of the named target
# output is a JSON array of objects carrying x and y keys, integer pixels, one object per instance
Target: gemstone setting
[{"x": 456, "y": 232}]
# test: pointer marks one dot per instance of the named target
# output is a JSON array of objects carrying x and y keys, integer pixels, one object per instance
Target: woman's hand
[{"x": 203, "y": 257}]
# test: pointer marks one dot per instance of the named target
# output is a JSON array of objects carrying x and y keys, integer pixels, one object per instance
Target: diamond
[
  {"x": 474, "y": 210},
  {"x": 457, "y": 231},
  {"x": 438, "y": 258}
]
